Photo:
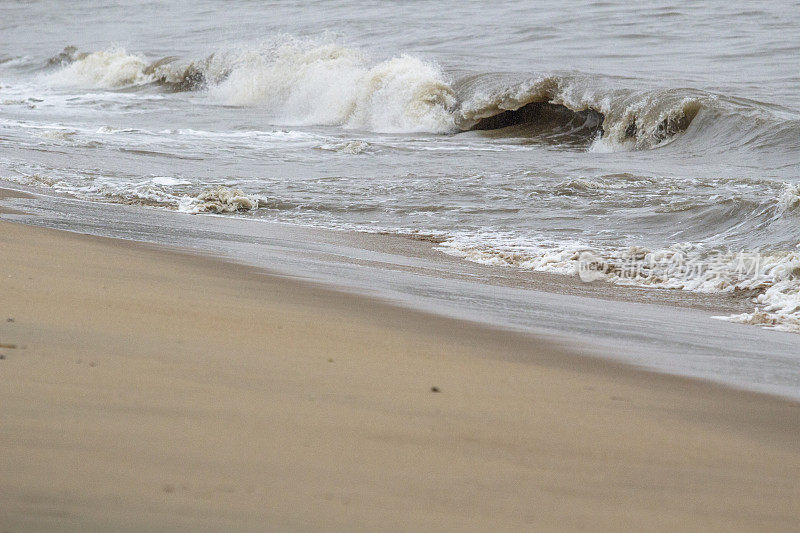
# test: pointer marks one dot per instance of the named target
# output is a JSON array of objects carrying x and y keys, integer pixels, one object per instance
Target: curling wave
[
  {"x": 303, "y": 82},
  {"x": 575, "y": 108}
]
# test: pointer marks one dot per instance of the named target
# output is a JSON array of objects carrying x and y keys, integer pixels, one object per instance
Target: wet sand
[
  {"x": 144, "y": 388},
  {"x": 10, "y": 193}
]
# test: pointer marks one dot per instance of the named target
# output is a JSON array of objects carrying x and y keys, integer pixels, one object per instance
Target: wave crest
[
  {"x": 309, "y": 82},
  {"x": 576, "y": 108},
  {"x": 302, "y": 83},
  {"x": 789, "y": 199},
  {"x": 295, "y": 82},
  {"x": 107, "y": 69}
]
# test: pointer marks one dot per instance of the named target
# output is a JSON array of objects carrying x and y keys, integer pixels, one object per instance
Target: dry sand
[{"x": 145, "y": 389}]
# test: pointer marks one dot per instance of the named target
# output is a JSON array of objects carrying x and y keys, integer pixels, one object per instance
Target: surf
[{"x": 301, "y": 82}]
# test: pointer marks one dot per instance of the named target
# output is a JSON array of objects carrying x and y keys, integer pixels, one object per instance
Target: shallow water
[{"x": 660, "y": 142}]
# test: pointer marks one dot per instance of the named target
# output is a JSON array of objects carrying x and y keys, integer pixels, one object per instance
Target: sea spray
[{"x": 304, "y": 83}]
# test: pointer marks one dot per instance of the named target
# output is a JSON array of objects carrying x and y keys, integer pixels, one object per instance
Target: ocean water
[{"x": 654, "y": 145}]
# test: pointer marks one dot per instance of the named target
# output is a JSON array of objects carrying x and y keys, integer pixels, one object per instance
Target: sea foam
[
  {"x": 106, "y": 69},
  {"x": 304, "y": 83},
  {"x": 218, "y": 200}
]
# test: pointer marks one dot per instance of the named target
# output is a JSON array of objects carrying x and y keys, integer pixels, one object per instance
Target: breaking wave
[
  {"x": 573, "y": 107},
  {"x": 789, "y": 199},
  {"x": 306, "y": 82},
  {"x": 116, "y": 68},
  {"x": 300, "y": 83},
  {"x": 296, "y": 82},
  {"x": 104, "y": 70}
]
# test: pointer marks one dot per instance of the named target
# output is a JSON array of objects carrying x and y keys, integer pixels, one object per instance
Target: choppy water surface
[{"x": 660, "y": 141}]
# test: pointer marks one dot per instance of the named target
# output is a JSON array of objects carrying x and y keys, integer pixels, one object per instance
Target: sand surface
[
  {"x": 8, "y": 193},
  {"x": 145, "y": 389}
]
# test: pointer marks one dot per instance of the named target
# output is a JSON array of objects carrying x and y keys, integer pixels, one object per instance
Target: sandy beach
[
  {"x": 394, "y": 266},
  {"x": 148, "y": 389}
]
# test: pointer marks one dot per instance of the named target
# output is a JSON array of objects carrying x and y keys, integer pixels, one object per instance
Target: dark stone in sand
[
  {"x": 435, "y": 389},
  {"x": 2, "y": 357}
]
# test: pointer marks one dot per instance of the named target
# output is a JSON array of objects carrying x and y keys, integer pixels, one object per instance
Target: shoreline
[
  {"x": 665, "y": 331},
  {"x": 423, "y": 247},
  {"x": 159, "y": 388}
]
